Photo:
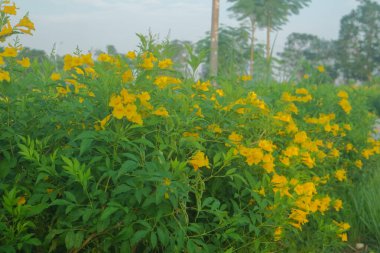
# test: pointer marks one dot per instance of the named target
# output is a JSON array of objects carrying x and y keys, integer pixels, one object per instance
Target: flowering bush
[{"x": 123, "y": 154}]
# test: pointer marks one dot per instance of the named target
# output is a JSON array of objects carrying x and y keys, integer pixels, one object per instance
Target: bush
[{"x": 123, "y": 154}]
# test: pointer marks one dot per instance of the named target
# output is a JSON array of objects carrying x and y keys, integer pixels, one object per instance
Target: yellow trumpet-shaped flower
[
  {"x": 25, "y": 62},
  {"x": 199, "y": 160}
]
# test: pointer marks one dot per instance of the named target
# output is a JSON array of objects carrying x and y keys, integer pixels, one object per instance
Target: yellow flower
[
  {"x": 321, "y": 68},
  {"x": 262, "y": 191},
  {"x": 300, "y": 137},
  {"x": 342, "y": 94},
  {"x": 204, "y": 86},
  {"x": 189, "y": 134},
  {"x": 343, "y": 226},
  {"x": 118, "y": 111},
  {"x": 343, "y": 237},
  {"x": 6, "y": 30},
  {"x": 167, "y": 181},
  {"x": 277, "y": 233},
  {"x": 147, "y": 64},
  {"x": 104, "y": 121},
  {"x": 308, "y": 160},
  {"x": 161, "y": 111},
  {"x": 104, "y": 58},
  {"x": 291, "y": 151},
  {"x": 21, "y": 201},
  {"x": 214, "y": 128},
  {"x": 266, "y": 145},
  {"x": 235, "y": 138},
  {"x": 55, "y": 76},
  {"x": 340, "y": 175},
  {"x": 127, "y": 98},
  {"x": 25, "y": 22},
  {"x": 199, "y": 160},
  {"x": 359, "y": 164},
  {"x": 9, "y": 52},
  {"x": 302, "y": 91},
  {"x": 246, "y": 78},
  {"x": 163, "y": 81},
  {"x": 165, "y": 64},
  {"x": 338, "y": 204},
  {"x": 306, "y": 76},
  {"x": 10, "y": 9},
  {"x": 220, "y": 92},
  {"x": 285, "y": 160},
  {"x": 345, "y": 105},
  {"x": 4, "y": 75},
  {"x": 127, "y": 76},
  {"x": 324, "y": 204},
  {"x": 307, "y": 189},
  {"x": 299, "y": 216},
  {"x": 144, "y": 96},
  {"x": 131, "y": 55},
  {"x": 25, "y": 62}
]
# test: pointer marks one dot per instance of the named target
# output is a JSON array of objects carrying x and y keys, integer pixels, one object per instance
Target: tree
[
  {"x": 269, "y": 14},
  {"x": 303, "y": 51},
  {"x": 233, "y": 45},
  {"x": 248, "y": 10},
  {"x": 214, "y": 39},
  {"x": 359, "y": 42}
]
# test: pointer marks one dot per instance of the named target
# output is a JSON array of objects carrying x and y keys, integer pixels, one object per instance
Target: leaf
[
  {"x": 79, "y": 236},
  {"x": 230, "y": 171},
  {"x": 138, "y": 236},
  {"x": 145, "y": 142},
  {"x": 70, "y": 240},
  {"x": 126, "y": 167},
  {"x": 107, "y": 212},
  {"x": 37, "y": 209},
  {"x": 33, "y": 241},
  {"x": 191, "y": 246},
  {"x": 70, "y": 197},
  {"x": 85, "y": 146},
  {"x": 163, "y": 235},
  {"x": 153, "y": 239}
]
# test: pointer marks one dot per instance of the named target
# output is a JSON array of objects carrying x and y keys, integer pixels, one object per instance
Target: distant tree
[
  {"x": 359, "y": 42},
  {"x": 33, "y": 54},
  {"x": 248, "y": 10},
  {"x": 269, "y": 14},
  {"x": 111, "y": 50},
  {"x": 234, "y": 49},
  {"x": 214, "y": 39},
  {"x": 305, "y": 50}
]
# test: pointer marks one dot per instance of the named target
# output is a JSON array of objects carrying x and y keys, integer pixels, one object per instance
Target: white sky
[{"x": 93, "y": 24}]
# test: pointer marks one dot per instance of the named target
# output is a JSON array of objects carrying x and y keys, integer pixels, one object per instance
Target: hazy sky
[{"x": 93, "y": 24}]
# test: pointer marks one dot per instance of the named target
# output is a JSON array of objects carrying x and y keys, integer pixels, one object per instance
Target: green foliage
[
  {"x": 123, "y": 154},
  {"x": 359, "y": 42}
]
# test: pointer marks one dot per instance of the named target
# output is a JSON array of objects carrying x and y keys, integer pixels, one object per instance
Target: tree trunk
[
  {"x": 269, "y": 30},
  {"x": 252, "y": 58},
  {"x": 214, "y": 39}
]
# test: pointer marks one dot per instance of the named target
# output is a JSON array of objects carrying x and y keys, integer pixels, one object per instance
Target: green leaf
[
  {"x": 85, "y": 146},
  {"x": 70, "y": 197},
  {"x": 107, "y": 212},
  {"x": 79, "y": 236},
  {"x": 138, "y": 236},
  {"x": 70, "y": 240},
  {"x": 153, "y": 239},
  {"x": 163, "y": 235}
]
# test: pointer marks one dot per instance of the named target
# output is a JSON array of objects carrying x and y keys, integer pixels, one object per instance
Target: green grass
[{"x": 366, "y": 205}]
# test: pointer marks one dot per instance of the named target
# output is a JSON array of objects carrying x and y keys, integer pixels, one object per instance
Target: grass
[{"x": 366, "y": 219}]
